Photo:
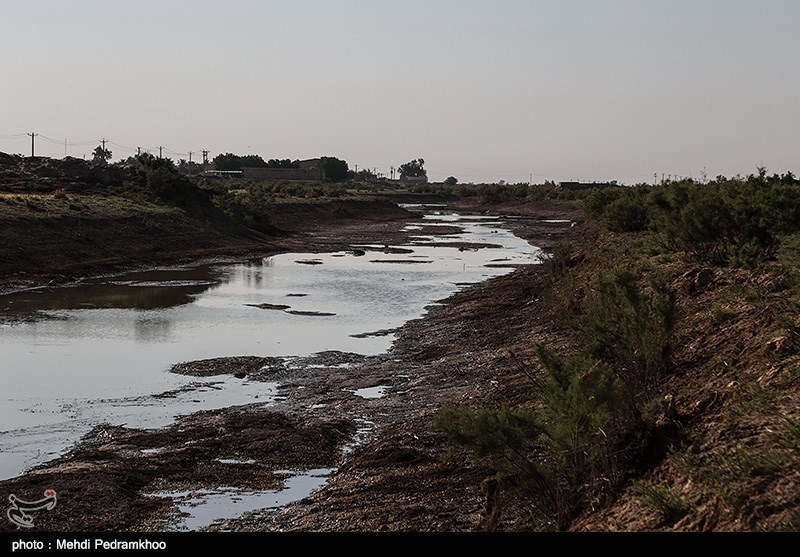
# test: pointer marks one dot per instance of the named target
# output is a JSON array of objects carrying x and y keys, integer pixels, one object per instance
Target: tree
[
  {"x": 101, "y": 155},
  {"x": 283, "y": 163},
  {"x": 191, "y": 168},
  {"x": 229, "y": 161},
  {"x": 413, "y": 169},
  {"x": 364, "y": 175},
  {"x": 451, "y": 181},
  {"x": 335, "y": 170}
]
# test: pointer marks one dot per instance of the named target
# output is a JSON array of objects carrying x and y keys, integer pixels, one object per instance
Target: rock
[
  {"x": 312, "y": 313},
  {"x": 238, "y": 366},
  {"x": 404, "y": 261},
  {"x": 279, "y": 307},
  {"x": 394, "y": 456}
]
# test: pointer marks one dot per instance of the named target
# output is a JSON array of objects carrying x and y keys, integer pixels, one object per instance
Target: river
[{"x": 99, "y": 351}]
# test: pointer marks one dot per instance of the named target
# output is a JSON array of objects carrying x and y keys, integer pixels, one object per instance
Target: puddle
[
  {"x": 203, "y": 507},
  {"x": 379, "y": 391},
  {"x": 51, "y": 426}
]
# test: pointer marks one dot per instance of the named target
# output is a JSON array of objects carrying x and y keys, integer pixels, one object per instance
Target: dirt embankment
[
  {"x": 38, "y": 248},
  {"x": 64, "y": 219},
  {"x": 734, "y": 390}
]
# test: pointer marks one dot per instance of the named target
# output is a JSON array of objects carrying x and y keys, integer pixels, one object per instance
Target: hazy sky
[{"x": 489, "y": 90}]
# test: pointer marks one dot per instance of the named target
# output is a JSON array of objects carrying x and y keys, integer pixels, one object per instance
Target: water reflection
[
  {"x": 153, "y": 329},
  {"x": 143, "y": 291},
  {"x": 251, "y": 273}
]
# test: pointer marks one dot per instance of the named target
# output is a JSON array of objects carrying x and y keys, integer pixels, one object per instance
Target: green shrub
[
  {"x": 500, "y": 435},
  {"x": 558, "y": 261},
  {"x": 597, "y": 199},
  {"x": 626, "y": 214},
  {"x": 594, "y": 417},
  {"x": 736, "y": 221},
  {"x": 630, "y": 330}
]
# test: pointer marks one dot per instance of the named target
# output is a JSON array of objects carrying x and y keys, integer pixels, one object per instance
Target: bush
[
  {"x": 594, "y": 417},
  {"x": 736, "y": 221},
  {"x": 597, "y": 199},
  {"x": 627, "y": 213},
  {"x": 500, "y": 435},
  {"x": 630, "y": 329},
  {"x": 162, "y": 177}
]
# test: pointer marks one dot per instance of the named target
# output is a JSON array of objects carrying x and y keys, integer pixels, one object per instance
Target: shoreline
[{"x": 329, "y": 389}]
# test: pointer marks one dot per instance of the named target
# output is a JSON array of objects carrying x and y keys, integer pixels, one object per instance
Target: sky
[{"x": 485, "y": 91}]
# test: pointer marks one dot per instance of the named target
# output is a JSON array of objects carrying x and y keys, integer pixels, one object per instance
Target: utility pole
[
  {"x": 103, "y": 143},
  {"x": 662, "y": 177},
  {"x": 205, "y": 156},
  {"x": 391, "y": 171},
  {"x": 190, "y": 156},
  {"x": 159, "y": 151},
  {"x": 32, "y": 136},
  {"x": 138, "y": 151},
  {"x": 356, "y": 169},
  {"x": 655, "y": 178}
]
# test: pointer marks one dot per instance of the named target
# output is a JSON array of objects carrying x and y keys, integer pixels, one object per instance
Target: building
[
  {"x": 309, "y": 170},
  {"x": 577, "y": 186}
]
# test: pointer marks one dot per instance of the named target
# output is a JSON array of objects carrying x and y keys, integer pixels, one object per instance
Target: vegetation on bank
[
  {"x": 736, "y": 221},
  {"x": 152, "y": 187},
  {"x": 62, "y": 204},
  {"x": 598, "y": 418}
]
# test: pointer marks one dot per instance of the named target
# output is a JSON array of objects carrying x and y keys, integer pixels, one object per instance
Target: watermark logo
[{"x": 18, "y": 511}]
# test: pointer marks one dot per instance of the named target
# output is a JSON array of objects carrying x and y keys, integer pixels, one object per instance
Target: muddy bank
[
  {"x": 408, "y": 477},
  {"x": 438, "y": 359},
  {"x": 104, "y": 484},
  {"x": 39, "y": 249}
]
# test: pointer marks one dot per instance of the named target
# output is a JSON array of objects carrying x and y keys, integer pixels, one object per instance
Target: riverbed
[{"x": 99, "y": 351}]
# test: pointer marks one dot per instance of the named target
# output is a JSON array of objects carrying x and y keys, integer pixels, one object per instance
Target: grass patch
[
  {"x": 790, "y": 432},
  {"x": 728, "y": 475},
  {"x": 758, "y": 399},
  {"x": 721, "y": 313},
  {"x": 668, "y": 501},
  {"x": 46, "y": 206}
]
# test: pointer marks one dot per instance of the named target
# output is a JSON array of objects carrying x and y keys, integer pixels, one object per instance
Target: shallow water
[
  {"x": 203, "y": 507},
  {"x": 99, "y": 352}
]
